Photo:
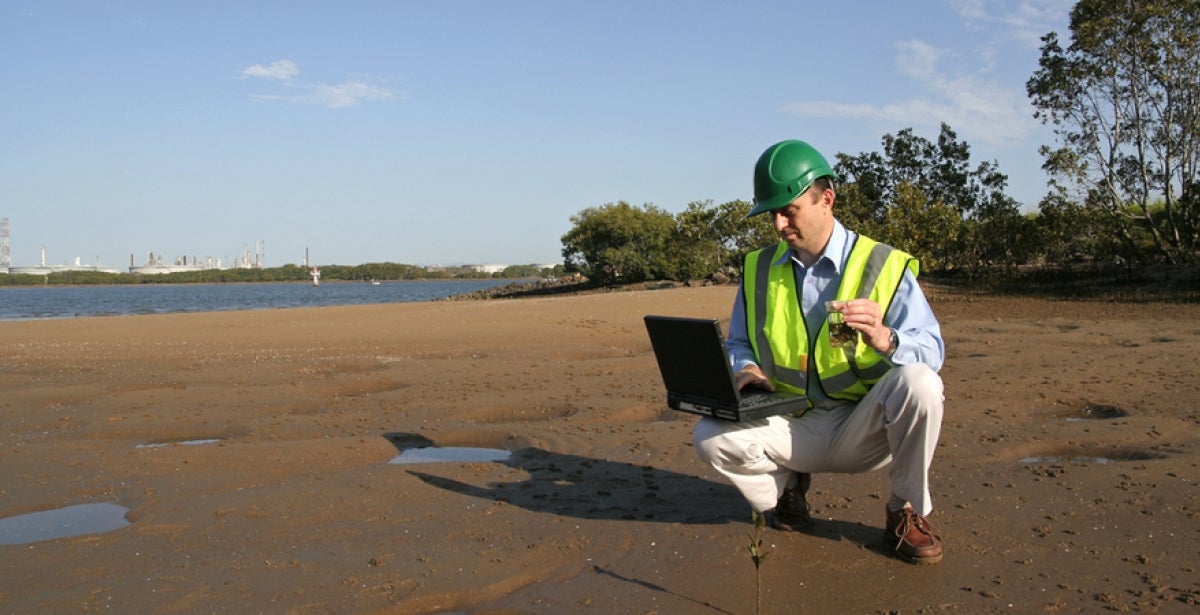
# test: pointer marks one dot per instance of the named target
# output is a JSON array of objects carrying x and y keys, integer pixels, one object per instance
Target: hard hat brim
[
  {"x": 779, "y": 201},
  {"x": 792, "y": 192}
]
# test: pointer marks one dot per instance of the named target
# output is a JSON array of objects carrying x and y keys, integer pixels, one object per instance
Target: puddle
[
  {"x": 1100, "y": 460},
  {"x": 438, "y": 454},
  {"x": 63, "y": 522},
  {"x": 1100, "y": 457},
  {"x": 179, "y": 443},
  {"x": 1095, "y": 412}
]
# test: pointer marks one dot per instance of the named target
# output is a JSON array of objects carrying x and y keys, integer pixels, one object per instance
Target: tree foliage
[
  {"x": 618, "y": 242},
  {"x": 1124, "y": 99},
  {"x": 926, "y": 198},
  {"x": 723, "y": 235},
  {"x": 942, "y": 169},
  {"x": 929, "y": 229}
]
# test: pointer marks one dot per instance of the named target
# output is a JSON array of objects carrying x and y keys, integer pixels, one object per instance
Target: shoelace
[{"x": 912, "y": 519}]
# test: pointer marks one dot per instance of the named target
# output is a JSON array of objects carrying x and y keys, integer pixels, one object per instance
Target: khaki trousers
[{"x": 898, "y": 421}]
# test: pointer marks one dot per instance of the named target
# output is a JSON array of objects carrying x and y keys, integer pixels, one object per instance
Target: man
[{"x": 877, "y": 402}]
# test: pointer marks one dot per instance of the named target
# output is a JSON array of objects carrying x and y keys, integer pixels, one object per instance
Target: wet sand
[{"x": 252, "y": 450}]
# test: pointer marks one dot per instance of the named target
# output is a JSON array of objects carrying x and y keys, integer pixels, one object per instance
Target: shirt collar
[{"x": 835, "y": 250}]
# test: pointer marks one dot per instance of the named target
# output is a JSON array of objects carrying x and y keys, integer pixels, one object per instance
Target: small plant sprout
[{"x": 758, "y": 556}]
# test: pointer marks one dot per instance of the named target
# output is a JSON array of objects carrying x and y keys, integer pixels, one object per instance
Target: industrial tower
[{"x": 5, "y": 249}]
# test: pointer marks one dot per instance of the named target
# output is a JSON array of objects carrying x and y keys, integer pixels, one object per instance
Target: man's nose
[{"x": 780, "y": 220}]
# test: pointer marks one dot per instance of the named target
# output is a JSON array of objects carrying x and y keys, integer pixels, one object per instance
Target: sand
[{"x": 253, "y": 451}]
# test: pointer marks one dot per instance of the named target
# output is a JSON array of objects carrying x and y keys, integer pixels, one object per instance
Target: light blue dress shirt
[{"x": 917, "y": 328}]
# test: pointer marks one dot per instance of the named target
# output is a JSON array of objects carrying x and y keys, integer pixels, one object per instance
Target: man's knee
[
  {"x": 921, "y": 383},
  {"x": 916, "y": 391},
  {"x": 718, "y": 443},
  {"x": 706, "y": 436}
]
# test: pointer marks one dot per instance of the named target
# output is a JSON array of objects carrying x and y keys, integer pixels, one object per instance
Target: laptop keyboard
[{"x": 756, "y": 398}]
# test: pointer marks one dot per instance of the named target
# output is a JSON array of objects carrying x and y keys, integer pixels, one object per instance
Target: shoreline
[{"x": 86, "y": 301}]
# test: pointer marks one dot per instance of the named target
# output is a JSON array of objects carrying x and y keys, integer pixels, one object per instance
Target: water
[
  {"x": 63, "y": 522},
  {"x": 1099, "y": 460},
  {"x": 179, "y": 443},
  {"x": 81, "y": 301},
  {"x": 436, "y": 454}
]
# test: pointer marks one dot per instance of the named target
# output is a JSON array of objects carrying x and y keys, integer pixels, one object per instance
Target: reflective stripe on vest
[{"x": 779, "y": 333}]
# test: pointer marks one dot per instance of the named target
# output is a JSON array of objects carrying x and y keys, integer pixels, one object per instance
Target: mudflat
[{"x": 254, "y": 451}]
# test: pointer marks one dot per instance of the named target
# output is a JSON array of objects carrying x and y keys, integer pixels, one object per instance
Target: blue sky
[{"x": 456, "y": 132}]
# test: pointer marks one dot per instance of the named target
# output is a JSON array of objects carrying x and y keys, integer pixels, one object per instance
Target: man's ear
[{"x": 828, "y": 196}]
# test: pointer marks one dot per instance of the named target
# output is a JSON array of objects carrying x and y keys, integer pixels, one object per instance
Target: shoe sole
[
  {"x": 919, "y": 561},
  {"x": 805, "y": 528}
]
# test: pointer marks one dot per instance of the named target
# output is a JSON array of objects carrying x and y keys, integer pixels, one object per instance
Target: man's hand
[
  {"x": 752, "y": 376},
  {"x": 866, "y": 316}
]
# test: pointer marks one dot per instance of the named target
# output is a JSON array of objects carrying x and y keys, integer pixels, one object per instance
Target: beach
[{"x": 253, "y": 450}]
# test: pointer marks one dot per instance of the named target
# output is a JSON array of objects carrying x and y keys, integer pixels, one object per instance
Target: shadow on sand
[
  {"x": 575, "y": 486},
  {"x": 583, "y": 487}
]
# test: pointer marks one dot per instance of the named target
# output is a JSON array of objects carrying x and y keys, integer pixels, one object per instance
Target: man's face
[{"x": 806, "y": 222}]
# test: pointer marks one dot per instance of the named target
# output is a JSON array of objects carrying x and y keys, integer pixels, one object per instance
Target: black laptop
[{"x": 695, "y": 369}]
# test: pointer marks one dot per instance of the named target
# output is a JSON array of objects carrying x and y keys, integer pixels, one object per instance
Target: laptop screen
[{"x": 692, "y": 358}]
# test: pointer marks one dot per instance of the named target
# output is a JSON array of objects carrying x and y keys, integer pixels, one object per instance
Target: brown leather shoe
[
  {"x": 913, "y": 536},
  {"x": 791, "y": 512}
]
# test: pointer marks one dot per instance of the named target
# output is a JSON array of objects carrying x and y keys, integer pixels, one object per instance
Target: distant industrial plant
[{"x": 154, "y": 263}]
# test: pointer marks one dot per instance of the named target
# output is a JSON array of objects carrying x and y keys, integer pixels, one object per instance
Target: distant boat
[
  {"x": 316, "y": 276},
  {"x": 374, "y": 282}
]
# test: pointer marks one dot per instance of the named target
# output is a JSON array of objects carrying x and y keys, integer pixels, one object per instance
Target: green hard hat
[{"x": 784, "y": 172}]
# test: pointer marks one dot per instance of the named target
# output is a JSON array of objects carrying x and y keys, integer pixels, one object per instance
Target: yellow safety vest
[{"x": 778, "y": 332}]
